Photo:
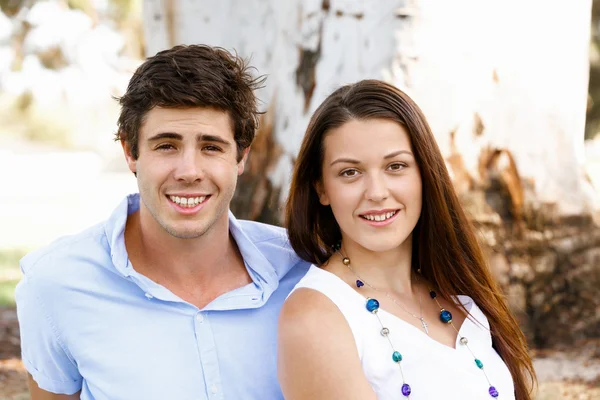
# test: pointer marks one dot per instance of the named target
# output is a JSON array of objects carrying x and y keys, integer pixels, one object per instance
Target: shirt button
[
  {"x": 214, "y": 389},
  {"x": 148, "y": 296},
  {"x": 199, "y": 318}
]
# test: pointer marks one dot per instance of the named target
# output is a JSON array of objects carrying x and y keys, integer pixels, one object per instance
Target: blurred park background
[{"x": 511, "y": 89}]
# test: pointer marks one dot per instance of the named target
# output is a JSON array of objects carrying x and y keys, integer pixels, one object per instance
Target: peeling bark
[
  {"x": 503, "y": 186},
  {"x": 170, "y": 19},
  {"x": 256, "y": 197},
  {"x": 305, "y": 73},
  {"x": 486, "y": 97}
]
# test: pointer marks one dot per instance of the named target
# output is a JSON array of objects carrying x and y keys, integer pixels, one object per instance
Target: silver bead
[
  {"x": 385, "y": 331},
  {"x": 464, "y": 340}
]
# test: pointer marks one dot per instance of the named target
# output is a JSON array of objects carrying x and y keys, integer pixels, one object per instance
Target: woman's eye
[
  {"x": 396, "y": 166},
  {"x": 349, "y": 173}
]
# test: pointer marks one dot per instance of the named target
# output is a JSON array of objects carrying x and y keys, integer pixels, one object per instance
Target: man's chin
[{"x": 185, "y": 232}]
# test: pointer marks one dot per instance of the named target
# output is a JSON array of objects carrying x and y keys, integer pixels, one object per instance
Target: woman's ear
[{"x": 323, "y": 198}]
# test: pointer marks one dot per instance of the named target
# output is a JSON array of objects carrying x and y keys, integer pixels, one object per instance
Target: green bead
[
  {"x": 397, "y": 357},
  {"x": 479, "y": 364}
]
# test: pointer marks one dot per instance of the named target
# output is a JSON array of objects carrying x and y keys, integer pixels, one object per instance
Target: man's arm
[
  {"x": 43, "y": 353},
  {"x": 39, "y": 394}
]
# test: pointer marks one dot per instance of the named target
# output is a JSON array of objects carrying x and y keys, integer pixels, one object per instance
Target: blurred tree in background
[
  {"x": 504, "y": 85},
  {"x": 505, "y": 96}
]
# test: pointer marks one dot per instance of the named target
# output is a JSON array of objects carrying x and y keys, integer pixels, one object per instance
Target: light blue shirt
[{"x": 90, "y": 322}]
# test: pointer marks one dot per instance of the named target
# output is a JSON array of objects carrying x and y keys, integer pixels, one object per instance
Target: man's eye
[
  {"x": 212, "y": 148},
  {"x": 165, "y": 146}
]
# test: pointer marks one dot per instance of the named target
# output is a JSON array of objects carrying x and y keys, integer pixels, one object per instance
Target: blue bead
[
  {"x": 433, "y": 294},
  {"x": 479, "y": 364},
  {"x": 493, "y": 392},
  {"x": 406, "y": 389},
  {"x": 359, "y": 283},
  {"x": 445, "y": 316},
  {"x": 372, "y": 305},
  {"x": 396, "y": 356}
]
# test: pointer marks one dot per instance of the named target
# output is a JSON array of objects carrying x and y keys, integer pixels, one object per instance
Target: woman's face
[{"x": 372, "y": 183}]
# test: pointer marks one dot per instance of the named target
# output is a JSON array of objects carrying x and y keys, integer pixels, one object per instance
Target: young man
[{"x": 172, "y": 297}]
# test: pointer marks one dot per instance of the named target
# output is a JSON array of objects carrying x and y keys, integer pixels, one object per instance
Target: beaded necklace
[
  {"x": 372, "y": 306},
  {"x": 360, "y": 282}
]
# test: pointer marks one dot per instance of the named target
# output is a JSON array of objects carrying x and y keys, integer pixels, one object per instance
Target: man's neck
[{"x": 197, "y": 270}]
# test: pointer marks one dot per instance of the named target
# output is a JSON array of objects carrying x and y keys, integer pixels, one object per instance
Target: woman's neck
[{"x": 389, "y": 270}]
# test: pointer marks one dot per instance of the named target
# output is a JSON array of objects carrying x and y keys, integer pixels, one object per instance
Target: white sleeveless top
[{"x": 433, "y": 370}]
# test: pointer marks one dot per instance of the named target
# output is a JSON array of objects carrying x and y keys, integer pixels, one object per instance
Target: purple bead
[
  {"x": 406, "y": 389},
  {"x": 493, "y": 392},
  {"x": 359, "y": 283}
]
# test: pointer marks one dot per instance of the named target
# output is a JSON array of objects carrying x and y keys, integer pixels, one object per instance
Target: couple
[{"x": 380, "y": 291}]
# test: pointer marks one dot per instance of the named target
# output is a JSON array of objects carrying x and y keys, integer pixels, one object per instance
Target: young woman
[{"x": 399, "y": 302}]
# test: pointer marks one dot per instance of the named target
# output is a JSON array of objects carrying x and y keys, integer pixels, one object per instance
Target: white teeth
[
  {"x": 187, "y": 202},
  {"x": 380, "y": 217}
]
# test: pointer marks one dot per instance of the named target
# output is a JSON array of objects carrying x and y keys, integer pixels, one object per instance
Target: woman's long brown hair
[{"x": 445, "y": 247}]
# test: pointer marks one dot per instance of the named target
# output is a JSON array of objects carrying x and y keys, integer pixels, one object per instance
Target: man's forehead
[{"x": 187, "y": 122}]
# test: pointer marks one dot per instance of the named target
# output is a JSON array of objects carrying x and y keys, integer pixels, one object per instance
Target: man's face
[{"x": 187, "y": 170}]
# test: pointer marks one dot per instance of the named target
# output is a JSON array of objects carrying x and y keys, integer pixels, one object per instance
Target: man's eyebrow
[
  {"x": 165, "y": 135},
  {"x": 203, "y": 137}
]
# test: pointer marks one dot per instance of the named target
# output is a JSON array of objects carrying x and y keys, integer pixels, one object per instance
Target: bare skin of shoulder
[{"x": 317, "y": 355}]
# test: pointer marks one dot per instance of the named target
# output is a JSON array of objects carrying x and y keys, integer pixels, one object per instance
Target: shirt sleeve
[{"x": 42, "y": 351}]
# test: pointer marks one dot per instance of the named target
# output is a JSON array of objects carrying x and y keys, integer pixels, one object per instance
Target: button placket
[{"x": 208, "y": 356}]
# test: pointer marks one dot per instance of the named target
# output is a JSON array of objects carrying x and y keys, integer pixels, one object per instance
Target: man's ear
[
  {"x": 242, "y": 162},
  {"x": 131, "y": 161},
  {"x": 323, "y": 198}
]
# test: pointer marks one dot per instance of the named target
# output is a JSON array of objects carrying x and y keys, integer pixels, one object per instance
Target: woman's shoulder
[
  {"x": 316, "y": 344},
  {"x": 313, "y": 297},
  {"x": 474, "y": 311},
  {"x": 305, "y": 314}
]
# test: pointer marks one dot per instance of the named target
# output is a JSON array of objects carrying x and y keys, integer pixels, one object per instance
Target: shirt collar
[
  {"x": 259, "y": 267},
  {"x": 115, "y": 233}
]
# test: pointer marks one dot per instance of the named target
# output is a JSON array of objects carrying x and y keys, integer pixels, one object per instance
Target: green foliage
[
  {"x": 21, "y": 118},
  {"x": 7, "y": 293},
  {"x": 9, "y": 274},
  {"x": 11, "y": 7}
]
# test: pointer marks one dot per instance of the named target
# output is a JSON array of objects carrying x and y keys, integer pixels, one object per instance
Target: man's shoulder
[
  {"x": 259, "y": 232},
  {"x": 273, "y": 242},
  {"x": 62, "y": 254}
]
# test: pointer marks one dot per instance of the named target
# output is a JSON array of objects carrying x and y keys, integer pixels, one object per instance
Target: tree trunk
[{"x": 504, "y": 87}]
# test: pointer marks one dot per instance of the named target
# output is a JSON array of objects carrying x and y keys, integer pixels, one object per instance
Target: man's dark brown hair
[{"x": 192, "y": 76}]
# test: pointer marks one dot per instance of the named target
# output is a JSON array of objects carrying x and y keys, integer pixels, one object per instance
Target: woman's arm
[{"x": 317, "y": 355}]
